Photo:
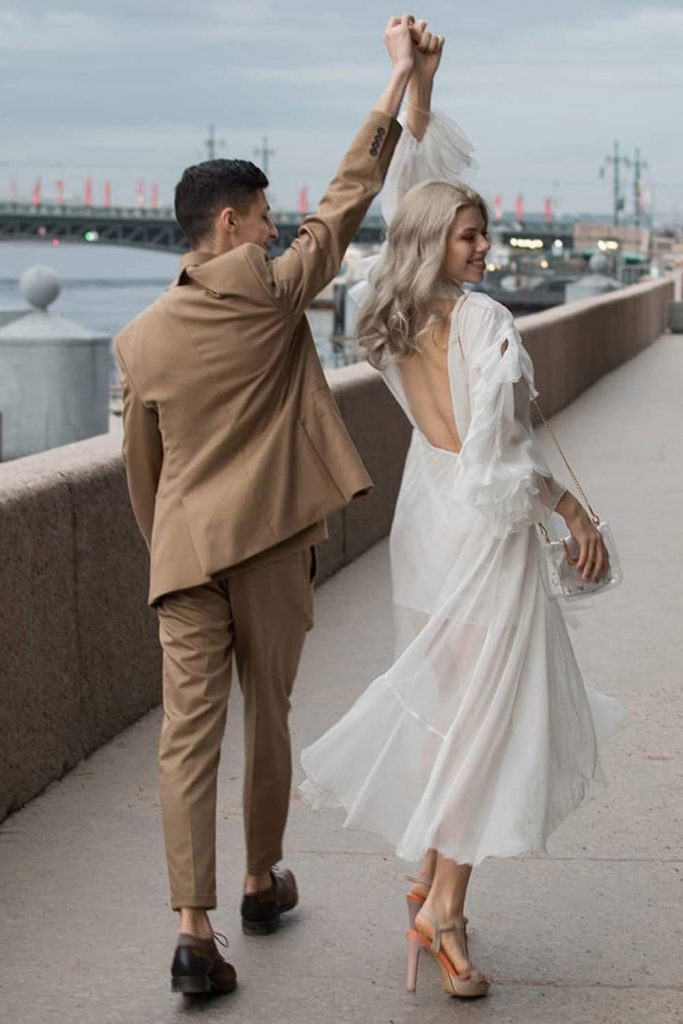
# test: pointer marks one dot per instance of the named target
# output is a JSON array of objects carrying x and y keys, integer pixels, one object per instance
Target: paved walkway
[{"x": 591, "y": 934}]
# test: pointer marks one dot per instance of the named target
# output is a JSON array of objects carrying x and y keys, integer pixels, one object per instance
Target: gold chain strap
[
  {"x": 594, "y": 516},
  {"x": 456, "y": 309}
]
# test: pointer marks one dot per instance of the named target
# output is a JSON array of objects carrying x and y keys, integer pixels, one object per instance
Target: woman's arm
[
  {"x": 432, "y": 146},
  {"x": 501, "y": 470},
  {"x": 428, "y": 50},
  {"x": 593, "y": 559}
]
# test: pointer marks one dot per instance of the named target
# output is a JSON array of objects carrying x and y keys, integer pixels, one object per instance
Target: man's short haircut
[{"x": 206, "y": 188}]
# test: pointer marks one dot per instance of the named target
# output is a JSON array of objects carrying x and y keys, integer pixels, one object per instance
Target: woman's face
[{"x": 467, "y": 245}]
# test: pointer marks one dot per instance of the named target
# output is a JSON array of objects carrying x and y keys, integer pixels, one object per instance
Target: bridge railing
[
  {"x": 79, "y": 654},
  {"x": 67, "y": 209},
  {"x": 165, "y": 213}
]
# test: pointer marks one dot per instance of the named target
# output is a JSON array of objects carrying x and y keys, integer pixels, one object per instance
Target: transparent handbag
[{"x": 561, "y": 577}]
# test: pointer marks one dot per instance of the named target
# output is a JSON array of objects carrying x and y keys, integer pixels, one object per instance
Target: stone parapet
[
  {"x": 572, "y": 346},
  {"x": 79, "y": 659}
]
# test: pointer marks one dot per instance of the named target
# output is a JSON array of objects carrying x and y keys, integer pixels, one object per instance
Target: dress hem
[{"x": 317, "y": 798}]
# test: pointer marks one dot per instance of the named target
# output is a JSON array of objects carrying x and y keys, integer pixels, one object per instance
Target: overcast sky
[{"x": 126, "y": 90}]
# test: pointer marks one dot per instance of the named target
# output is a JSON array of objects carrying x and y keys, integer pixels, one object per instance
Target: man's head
[{"x": 221, "y": 204}]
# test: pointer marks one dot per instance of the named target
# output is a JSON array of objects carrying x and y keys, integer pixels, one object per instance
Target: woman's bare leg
[
  {"x": 446, "y": 901},
  {"x": 427, "y": 870}
]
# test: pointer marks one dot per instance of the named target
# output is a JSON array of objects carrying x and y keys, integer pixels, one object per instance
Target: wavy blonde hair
[{"x": 408, "y": 275}]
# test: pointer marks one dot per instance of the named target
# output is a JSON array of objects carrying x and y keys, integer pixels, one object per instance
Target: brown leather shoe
[
  {"x": 199, "y": 967},
  {"x": 261, "y": 911}
]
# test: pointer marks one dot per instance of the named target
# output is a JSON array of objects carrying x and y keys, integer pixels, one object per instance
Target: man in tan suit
[{"x": 235, "y": 452}]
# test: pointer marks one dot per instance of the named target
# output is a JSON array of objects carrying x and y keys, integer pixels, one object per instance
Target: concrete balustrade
[
  {"x": 79, "y": 658},
  {"x": 572, "y": 346}
]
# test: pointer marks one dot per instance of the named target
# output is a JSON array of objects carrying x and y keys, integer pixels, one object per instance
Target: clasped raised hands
[{"x": 412, "y": 47}]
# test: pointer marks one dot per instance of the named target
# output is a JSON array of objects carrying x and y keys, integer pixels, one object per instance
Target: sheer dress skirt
[{"x": 481, "y": 737}]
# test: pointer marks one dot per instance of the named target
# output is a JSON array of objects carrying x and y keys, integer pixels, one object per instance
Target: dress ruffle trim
[{"x": 443, "y": 154}]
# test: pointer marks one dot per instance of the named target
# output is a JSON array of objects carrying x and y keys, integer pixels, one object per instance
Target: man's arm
[
  {"x": 142, "y": 453},
  {"x": 316, "y": 255}
]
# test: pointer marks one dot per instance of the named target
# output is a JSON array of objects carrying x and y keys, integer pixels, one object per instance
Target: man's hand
[
  {"x": 401, "y": 50},
  {"x": 428, "y": 50},
  {"x": 399, "y": 42}
]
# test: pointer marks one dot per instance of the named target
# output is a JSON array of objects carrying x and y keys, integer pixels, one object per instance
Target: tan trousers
[{"x": 260, "y": 616}]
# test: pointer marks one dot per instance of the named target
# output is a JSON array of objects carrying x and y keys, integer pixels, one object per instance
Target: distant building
[{"x": 611, "y": 239}]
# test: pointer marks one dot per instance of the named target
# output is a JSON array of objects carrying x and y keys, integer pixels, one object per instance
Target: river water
[{"x": 103, "y": 287}]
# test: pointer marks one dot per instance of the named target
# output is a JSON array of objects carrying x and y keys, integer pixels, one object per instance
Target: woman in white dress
[{"x": 481, "y": 736}]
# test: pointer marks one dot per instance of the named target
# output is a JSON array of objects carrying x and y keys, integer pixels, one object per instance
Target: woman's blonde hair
[{"x": 408, "y": 275}]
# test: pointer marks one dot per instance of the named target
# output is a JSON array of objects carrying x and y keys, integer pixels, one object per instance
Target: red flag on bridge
[
  {"x": 548, "y": 211},
  {"x": 140, "y": 194},
  {"x": 303, "y": 201},
  {"x": 519, "y": 208},
  {"x": 106, "y": 198},
  {"x": 498, "y": 207},
  {"x": 154, "y": 201},
  {"x": 37, "y": 196},
  {"x": 59, "y": 193},
  {"x": 87, "y": 192}
]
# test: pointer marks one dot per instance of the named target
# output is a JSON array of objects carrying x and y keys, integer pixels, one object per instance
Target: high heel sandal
[
  {"x": 413, "y": 900},
  {"x": 468, "y": 984}
]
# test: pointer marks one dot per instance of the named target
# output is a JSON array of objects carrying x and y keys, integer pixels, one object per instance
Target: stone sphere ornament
[{"x": 39, "y": 286}]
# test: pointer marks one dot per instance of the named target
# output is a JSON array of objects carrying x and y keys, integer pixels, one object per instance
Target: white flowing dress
[{"x": 481, "y": 736}]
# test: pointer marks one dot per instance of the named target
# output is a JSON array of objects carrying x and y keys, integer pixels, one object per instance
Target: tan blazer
[{"x": 232, "y": 440}]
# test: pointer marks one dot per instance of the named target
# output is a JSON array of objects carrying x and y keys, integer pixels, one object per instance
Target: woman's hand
[
  {"x": 428, "y": 50},
  {"x": 589, "y": 553}
]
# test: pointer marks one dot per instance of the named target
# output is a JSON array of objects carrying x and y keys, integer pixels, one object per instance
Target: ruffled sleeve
[
  {"x": 501, "y": 471},
  {"x": 444, "y": 153}
]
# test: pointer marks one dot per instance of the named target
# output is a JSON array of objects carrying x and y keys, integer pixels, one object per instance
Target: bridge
[
  {"x": 148, "y": 228},
  {"x": 141, "y": 228}
]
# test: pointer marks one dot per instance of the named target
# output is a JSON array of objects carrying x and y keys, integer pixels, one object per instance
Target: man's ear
[{"x": 227, "y": 220}]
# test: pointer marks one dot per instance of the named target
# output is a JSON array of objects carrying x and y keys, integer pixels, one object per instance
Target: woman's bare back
[{"x": 427, "y": 386}]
